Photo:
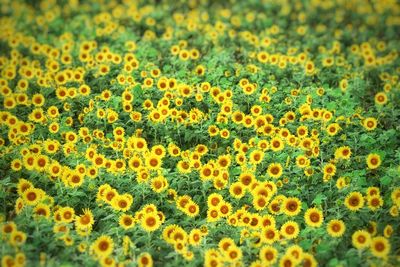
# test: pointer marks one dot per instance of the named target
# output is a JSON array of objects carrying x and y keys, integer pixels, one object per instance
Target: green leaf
[
  {"x": 306, "y": 244},
  {"x": 318, "y": 199},
  {"x": 333, "y": 262},
  {"x": 386, "y": 180},
  {"x": 361, "y": 181}
]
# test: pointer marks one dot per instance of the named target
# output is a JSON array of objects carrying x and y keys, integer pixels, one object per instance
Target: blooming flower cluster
[{"x": 199, "y": 133}]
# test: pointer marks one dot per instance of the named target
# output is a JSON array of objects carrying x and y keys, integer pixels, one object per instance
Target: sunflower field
[{"x": 200, "y": 133}]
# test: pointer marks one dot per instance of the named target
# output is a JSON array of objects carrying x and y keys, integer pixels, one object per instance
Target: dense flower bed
[{"x": 220, "y": 133}]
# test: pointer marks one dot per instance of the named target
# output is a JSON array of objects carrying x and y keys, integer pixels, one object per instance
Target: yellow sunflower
[
  {"x": 336, "y": 228},
  {"x": 380, "y": 247},
  {"x": 292, "y": 206},
  {"x": 370, "y": 123},
  {"x": 17, "y": 238},
  {"x": 373, "y": 161},
  {"x": 269, "y": 235},
  {"x": 121, "y": 202},
  {"x": 314, "y": 217},
  {"x": 145, "y": 260},
  {"x": 276, "y": 144},
  {"x": 126, "y": 221},
  {"x": 275, "y": 170},
  {"x": 103, "y": 246},
  {"x": 290, "y": 230},
  {"x": 85, "y": 220},
  {"x": 268, "y": 255},
  {"x": 150, "y": 222},
  {"x": 32, "y": 196},
  {"x": 354, "y": 201},
  {"x": 361, "y": 239}
]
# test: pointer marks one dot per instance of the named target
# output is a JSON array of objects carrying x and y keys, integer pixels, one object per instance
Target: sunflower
[
  {"x": 372, "y": 228},
  {"x": 135, "y": 163},
  {"x": 84, "y": 221},
  {"x": 329, "y": 169},
  {"x": 159, "y": 184},
  {"x": 224, "y": 133},
  {"x": 395, "y": 196},
  {"x": 309, "y": 68},
  {"x": 237, "y": 190},
  {"x": 192, "y": 209},
  {"x": 381, "y": 98},
  {"x": 309, "y": 260},
  {"x": 388, "y": 231},
  {"x": 374, "y": 202},
  {"x": 8, "y": 228},
  {"x": 237, "y": 117},
  {"x": 195, "y": 237},
  {"x": 8, "y": 261},
  {"x": 369, "y": 123},
  {"x": 290, "y": 230},
  {"x": 150, "y": 222},
  {"x": 41, "y": 162},
  {"x": 122, "y": 202},
  {"x": 336, "y": 228},
  {"x": 240, "y": 158},
  {"x": 343, "y": 152},
  {"x": 302, "y": 161},
  {"x": 246, "y": 178},
  {"x": 75, "y": 179},
  {"x": 32, "y": 196},
  {"x": 268, "y": 255},
  {"x": 394, "y": 211},
  {"x": 213, "y": 215},
  {"x": 269, "y": 234},
  {"x": 109, "y": 194},
  {"x": 158, "y": 150},
  {"x": 182, "y": 201},
  {"x": 314, "y": 217},
  {"x": 380, "y": 247},
  {"x": 256, "y": 156},
  {"x": 341, "y": 182},
  {"x": 267, "y": 220},
  {"x": 99, "y": 160},
  {"x": 22, "y": 185},
  {"x": 275, "y": 207},
  {"x": 126, "y": 221},
  {"x": 361, "y": 239},
  {"x": 332, "y": 129},
  {"x": 233, "y": 254},
  {"x": 183, "y": 167},
  {"x": 20, "y": 259},
  {"x": 16, "y": 164},
  {"x": 354, "y": 201},
  {"x": 214, "y": 199},
  {"x": 224, "y": 209},
  {"x": 145, "y": 260},
  {"x": 260, "y": 202},
  {"x": 153, "y": 162},
  {"x": 213, "y": 258},
  {"x": 103, "y": 246},
  {"x": 29, "y": 161},
  {"x": 287, "y": 260},
  {"x": 373, "y": 191},
  {"x": 373, "y": 161},
  {"x": 296, "y": 252},
  {"x": 292, "y": 206},
  {"x": 42, "y": 210},
  {"x": 17, "y": 238},
  {"x": 107, "y": 261},
  {"x": 276, "y": 144},
  {"x": 275, "y": 170}
]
